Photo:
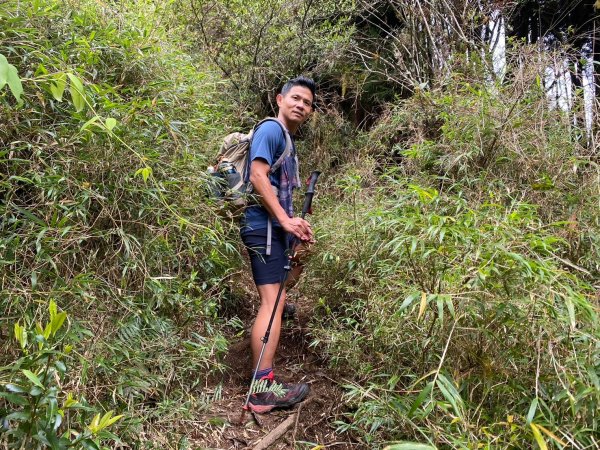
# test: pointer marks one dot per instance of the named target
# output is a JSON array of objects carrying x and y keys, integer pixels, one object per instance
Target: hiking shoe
[
  {"x": 289, "y": 311},
  {"x": 264, "y": 402}
]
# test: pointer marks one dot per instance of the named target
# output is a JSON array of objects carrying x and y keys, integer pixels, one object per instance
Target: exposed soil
[{"x": 295, "y": 361}]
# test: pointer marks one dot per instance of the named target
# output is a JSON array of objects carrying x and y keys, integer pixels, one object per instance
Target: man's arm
[{"x": 259, "y": 177}]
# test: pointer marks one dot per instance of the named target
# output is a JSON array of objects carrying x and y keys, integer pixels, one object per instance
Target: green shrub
[
  {"x": 101, "y": 181},
  {"x": 456, "y": 274},
  {"x": 36, "y": 411}
]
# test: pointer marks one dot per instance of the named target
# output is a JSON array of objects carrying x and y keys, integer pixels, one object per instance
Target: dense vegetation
[{"x": 456, "y": 274}]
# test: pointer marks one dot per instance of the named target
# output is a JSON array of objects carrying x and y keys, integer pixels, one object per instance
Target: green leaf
[
  {"x": 21, "y": 335},
  {"x": 89, "y": 444},
  {"x": 107, "y": 420},
  {"x": 145, "y": 172},
  {"x": 409, "y": 446},
  {"x": 10, "y": 75},
  {"x": 15, "y": 388},
  {"x": 33, "y": 378},
  {"x": 52, "y": 309},
  {"x": 14, "y": 83},
  {"x": 58, "y": 85},
  {"x": 14, "y": 398},
  {"x": 3, "y": 70},
  {"x": 93, "y": 426},
  {"x": 60, "y": 366},
  {"x": 58, "y": 321},
  {"x": 90, "y": 122},
  {"x": 538, "y": 436},
  {"x": 19, "y": 415},
  {"x": 110, "y": 123},
  {"x": 532, "y": 409},
  {"x": 77, "y": 92},
  {"x": 420, "y": 398}
]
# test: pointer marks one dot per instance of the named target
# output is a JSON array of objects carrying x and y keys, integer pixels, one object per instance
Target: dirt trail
[{"x": 295, "y": 362}]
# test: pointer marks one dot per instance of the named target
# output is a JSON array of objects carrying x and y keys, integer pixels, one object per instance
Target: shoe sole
[{"x": 262, "y": 409}]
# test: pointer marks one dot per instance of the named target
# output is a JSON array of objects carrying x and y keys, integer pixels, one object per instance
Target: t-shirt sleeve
[{"x": 267, "y": 143}]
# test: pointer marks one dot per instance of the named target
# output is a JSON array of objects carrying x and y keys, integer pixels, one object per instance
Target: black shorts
[{"x": 267, "y": 269}]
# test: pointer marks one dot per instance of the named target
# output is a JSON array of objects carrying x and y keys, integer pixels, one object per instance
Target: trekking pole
[{"x": 308, "y": 196}]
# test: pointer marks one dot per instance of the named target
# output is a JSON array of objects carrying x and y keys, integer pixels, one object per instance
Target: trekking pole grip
[{"x": 310, "y": 192}]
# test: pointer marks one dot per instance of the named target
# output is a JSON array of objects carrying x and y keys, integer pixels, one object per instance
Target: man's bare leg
[{"x": 268, "y": 295}]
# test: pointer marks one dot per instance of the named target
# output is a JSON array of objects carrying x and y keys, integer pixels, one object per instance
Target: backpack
[{"x": 230, "y": 185}]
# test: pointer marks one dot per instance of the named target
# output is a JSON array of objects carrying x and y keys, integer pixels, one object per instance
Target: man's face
[{"x": 296, "y": 105}]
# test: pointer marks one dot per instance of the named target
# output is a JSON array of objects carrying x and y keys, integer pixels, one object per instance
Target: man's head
[
  {"x": 300, "y": 81},
  {"x": 296, "y": 102}
]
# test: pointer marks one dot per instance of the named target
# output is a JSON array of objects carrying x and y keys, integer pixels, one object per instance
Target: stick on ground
[{"x": 274, "y": 435}]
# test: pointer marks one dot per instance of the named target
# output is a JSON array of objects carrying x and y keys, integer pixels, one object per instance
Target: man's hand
[{"x": 299, "y": 228}]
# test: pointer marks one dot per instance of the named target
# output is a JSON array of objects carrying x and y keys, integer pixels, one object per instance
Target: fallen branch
[{"x": 274, "y": 435}]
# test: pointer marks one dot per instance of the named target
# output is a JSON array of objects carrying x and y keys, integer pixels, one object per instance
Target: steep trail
[{"x": 295, "y": 361}]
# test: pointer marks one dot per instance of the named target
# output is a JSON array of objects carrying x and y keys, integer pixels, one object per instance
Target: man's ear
[{"x": 279, "y": 99}]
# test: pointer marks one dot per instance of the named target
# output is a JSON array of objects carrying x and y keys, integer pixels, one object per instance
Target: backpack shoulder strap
[
  {"x": 288, "y": 146},
  {"x": 288, "y": 142}
]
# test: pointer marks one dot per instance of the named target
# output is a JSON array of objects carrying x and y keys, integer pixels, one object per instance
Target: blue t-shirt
[{"x": 268, "y": 144}]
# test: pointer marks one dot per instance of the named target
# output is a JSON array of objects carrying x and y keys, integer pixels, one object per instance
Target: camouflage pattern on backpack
[{"x": 231, "y": 173}]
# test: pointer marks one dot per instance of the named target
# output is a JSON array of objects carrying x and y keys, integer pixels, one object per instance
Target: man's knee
[{"x": 268, "y": 294}]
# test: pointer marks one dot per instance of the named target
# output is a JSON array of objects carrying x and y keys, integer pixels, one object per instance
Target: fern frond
[{"x": 260, "y": 386}]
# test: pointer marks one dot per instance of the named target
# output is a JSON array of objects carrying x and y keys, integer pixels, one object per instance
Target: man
[{"x": 268, "y": 227}]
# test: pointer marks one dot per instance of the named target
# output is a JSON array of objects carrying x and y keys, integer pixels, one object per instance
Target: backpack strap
[
  {"x": 288, "y": 145},
  {"x": 287, "y": 151}
]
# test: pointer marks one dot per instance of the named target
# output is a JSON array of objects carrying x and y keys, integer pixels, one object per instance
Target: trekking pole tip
[{"x": 243, "y": 415}]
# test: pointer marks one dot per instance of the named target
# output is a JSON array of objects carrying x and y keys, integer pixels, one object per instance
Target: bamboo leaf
[
  {"x": 110, "y": 123},
  {"x": 571, "y": 311},
  {"x": 33, "y": 378},
  {"x": 450, "y": 394},
  {"x": 420, "y": 398},
  {"x": 58, "y": 321},
  {"x": 58, "y": 85},
  {"x": 440, "y": 307},
  {"x": 423, "y": 305},
  {"x": 408, "y": 301},
  {"x": 410, "y": 446},
  {"x": 538, "y": 436},
  {"x": 14, "y": 398},
  {"x": 552, "y": 435},
  {"x": 93, "y": 426},
  {"x": 77, "y": 92},
  {"x": 532, "y": 409},
  {"x": 450, "y": 306},
  {"x": 14, "y": 83},
  {"x": 3, "y": 70}
]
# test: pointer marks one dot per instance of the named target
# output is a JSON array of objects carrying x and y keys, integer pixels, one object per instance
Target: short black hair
[{"x": 303, "y": 81}]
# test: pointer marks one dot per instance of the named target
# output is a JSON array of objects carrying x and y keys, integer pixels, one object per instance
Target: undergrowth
[
  {"x": 457, "y": 275},
  {"x": 102, "y": 210}
]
